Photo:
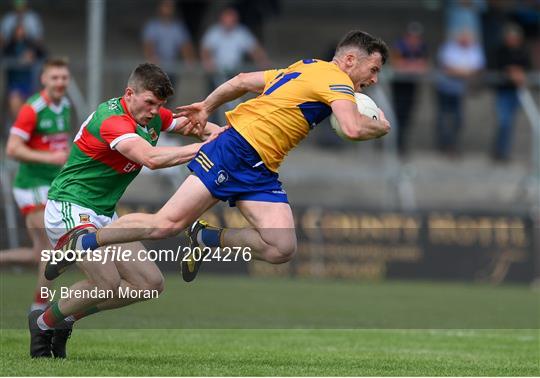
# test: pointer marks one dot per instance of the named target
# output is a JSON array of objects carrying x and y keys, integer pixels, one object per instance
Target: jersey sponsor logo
[
  {"x": 221, "y": 177},
  {"x": 45, "y": 123},
  {"x": 84, "y": 218},
  {"x": 60, "y": 123},
  {"x": 112, "y": 104},
  {"x": 55, "y": 142},
  {"x": 153, "y": 135},
  {"x": 130, "y": 167}
]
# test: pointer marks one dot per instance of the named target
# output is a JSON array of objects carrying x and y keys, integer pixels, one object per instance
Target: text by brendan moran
[{"x": 64, "y": 292}]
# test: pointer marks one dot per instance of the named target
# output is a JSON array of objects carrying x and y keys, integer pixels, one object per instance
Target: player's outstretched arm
[
  {"x": 140, "y": 151},
  {"x": 198, "y": 112},
  {"x": 210, "y": 131},
  {"x": 18, "y": 149},
  {"x": 358, "y": 126}
]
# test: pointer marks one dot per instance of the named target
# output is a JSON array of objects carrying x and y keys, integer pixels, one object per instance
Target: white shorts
[
  {"x": 60, "y": 217},
  {"x": 31, "y": 199}
]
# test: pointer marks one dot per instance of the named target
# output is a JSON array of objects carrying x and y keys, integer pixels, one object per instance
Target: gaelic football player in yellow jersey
[{"x": 241, "y": 165}]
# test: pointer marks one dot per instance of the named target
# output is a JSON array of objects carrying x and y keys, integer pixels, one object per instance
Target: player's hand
[
  {"x": 183, "y": 127},
  {"x": 58, "y": 157},
  {"x": 195, "y": 120},
  {"x": 215, "y": 134},
  {"x": 386, "y": 124}
]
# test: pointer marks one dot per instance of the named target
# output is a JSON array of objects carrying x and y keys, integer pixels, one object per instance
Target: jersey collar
[{"x": 56, "y": 108}]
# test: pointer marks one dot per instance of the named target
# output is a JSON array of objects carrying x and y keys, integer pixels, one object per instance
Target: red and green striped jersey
[
  {"x": 96, "y": 174},
  {"x": 44, "y": 126}
]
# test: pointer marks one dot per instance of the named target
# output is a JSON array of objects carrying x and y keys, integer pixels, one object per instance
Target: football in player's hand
[{"x": 366, "y": 106}]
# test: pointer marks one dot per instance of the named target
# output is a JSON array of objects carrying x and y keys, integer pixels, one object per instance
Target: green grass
[
  {"x": 282, "y": 352},
  {"x": 275, "y": 327}
]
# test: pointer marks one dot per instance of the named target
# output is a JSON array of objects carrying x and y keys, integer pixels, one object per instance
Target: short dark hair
[
  {"x": 55, "y": 62},
  {"x": 365, "y": 42},
  {"x": 149, "y": 77}
]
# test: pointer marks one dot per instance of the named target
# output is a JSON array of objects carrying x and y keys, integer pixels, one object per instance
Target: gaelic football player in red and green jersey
[
  {"x": 111, "y": 147},
  {"x": 39, "y": 141}
]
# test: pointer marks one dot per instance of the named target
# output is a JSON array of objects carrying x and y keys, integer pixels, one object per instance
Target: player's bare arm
[
  {"x": 18, "y": 149},
  {"x": 210, "y": 131},
  {"x": 198, "y": 112},
  {"x": 358, "y": 126},
  {"x": 140, "y": 151}
]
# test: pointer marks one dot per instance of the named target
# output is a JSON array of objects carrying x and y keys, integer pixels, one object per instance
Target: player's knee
[
  {"x": 281, "y": 253},
  {"x": 109, "y": 283},
  {"x": 154, "y": 283}
]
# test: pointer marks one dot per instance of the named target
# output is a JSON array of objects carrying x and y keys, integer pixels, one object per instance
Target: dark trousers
[
  {"x": 507, "y": 103},
  {"x": 449, "y": 121},
  {"x": 404, "y": 95}
]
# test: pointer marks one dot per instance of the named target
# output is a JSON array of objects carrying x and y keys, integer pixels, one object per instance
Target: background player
[
  {"x": 241, "y": 165},
  {"x": 108, "y": 152},
  {"x": 39, "y": 141}
]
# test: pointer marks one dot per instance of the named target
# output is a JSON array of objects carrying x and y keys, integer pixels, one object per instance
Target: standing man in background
[
  {"x": 21, "y": 48},
  {"x": 165, "y": 38},
  {"x": 39, "y": 141},
  {"x": 460, "y": 59},
  {"x": 410, "y": 62},
  {"x": 512, "y": 60},
  {"x": 224, "y": 48}
]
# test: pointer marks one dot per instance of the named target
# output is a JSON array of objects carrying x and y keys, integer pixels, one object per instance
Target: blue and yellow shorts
[{"x": 232, "y": 170}]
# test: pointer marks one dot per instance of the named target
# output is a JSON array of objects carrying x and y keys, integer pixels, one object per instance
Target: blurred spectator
[
  {"x": 254, "y": 13},
  {"x": 23, "y": 57},
  {"x": 465, "y": 14},
  {"x": 21, "y": 38},
  {"x": 512, "y": 60},
  {"x": 21, "y": 15},
  {"x": 460, "y": 59},
  {"x": 224, "y": 47},
  {"x": 193, "y": 12},
  {"x": 527, "y": 15},
  {"x": 165, "y": 38},
  {"x": 410, "y": 61},
  {"x": 496, "y": 14}
]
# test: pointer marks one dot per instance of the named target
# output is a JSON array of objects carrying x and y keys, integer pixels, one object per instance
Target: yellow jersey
[{"x": 294, "y": 100}]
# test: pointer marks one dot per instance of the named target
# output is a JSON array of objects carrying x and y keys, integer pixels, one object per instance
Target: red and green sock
[
  {"x": 39, "y": 303},
  {"x": 53, "y": 316},
  {"x": 79, "y": 315}
]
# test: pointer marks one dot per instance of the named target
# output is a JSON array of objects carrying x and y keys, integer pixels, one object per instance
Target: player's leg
[
  {"x": 190, "y": 201},
  {"x": 273, "y": 238},
  {"x": 41, "y": 340},
  {"x": 60, "y": 217},
  {"x": 23, "y": 255},
  {"x": 111, "y": 277},
  {"x": 40, "y": 241},
  {"x": 58, "y": 319},
  {"x": 30, "y": 202},
  {"x": 135, "y": 274}
]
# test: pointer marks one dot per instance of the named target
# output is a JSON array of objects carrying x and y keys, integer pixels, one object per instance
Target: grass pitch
[{"x": 274, "y": 327}]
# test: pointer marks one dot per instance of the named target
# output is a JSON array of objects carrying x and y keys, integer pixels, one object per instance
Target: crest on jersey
[
  {"x": 221, "y": 177},
  {"x": 84, "y": 218},
  {"x": 153, "y": 135}
]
